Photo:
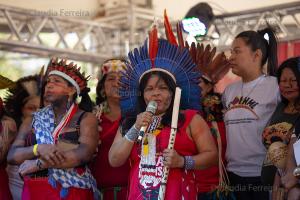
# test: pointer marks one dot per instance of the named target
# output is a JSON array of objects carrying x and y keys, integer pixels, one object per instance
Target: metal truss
[
  {"x": 135, "y": 23},
  {"x": 285, "y": 19},
  {"x": 123, "y": 28},
  {"x": 48, "y": 34}
]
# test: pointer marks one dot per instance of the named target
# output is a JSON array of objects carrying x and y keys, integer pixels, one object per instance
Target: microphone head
[{"x": 152, "y": 106}]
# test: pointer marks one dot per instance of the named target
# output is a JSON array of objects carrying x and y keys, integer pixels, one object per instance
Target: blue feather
[
  {"x": 52, "y": 181},
  {"x": 169, "y": 57}
]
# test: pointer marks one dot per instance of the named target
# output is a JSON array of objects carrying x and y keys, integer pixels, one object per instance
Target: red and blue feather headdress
[{"x": 165, "y": 56}]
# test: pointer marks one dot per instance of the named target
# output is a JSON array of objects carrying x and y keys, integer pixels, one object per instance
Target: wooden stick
[{"x": 163, "y": 184}]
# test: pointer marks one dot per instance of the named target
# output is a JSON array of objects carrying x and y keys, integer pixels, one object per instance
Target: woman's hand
[
  {"x": 50, "y": 154},
  {"x": 294, "y": 193},
  {"x": 288, "y": 180},
  {"x": 28, "y": 167},
  {"x": 143, "y": 119},
  {"x": 172, "y": 159}
]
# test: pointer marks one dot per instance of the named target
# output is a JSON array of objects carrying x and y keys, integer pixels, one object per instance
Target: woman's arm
[
  {"x": 121, "y": 147},
  {"x": 119, "y": 150},
  {"x": 88, "y": 142},
  {"x": 207, "y": 155},
  {"x": 207, "y": 150},
  {"x": 289, "y": 180},
  {"x": 18, "y": 153},
  {"x": 276, "y": 186}
]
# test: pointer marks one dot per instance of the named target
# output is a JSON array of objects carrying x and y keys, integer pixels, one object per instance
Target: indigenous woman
[
  {"x": 153, "y": 76},
  {"x": 23, "y": 99},
  {"x": 249, "y": 104},
  {"x": 8, "y": 131},
  {"x": 282, "y": 122},
  {"x": 54, "y": 160},
  {"x": 212, "y": 69},
  {"x": 112, "y": 181}
]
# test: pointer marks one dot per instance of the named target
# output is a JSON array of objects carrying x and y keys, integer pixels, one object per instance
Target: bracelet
[
  {"x": 34, "y": 150},
  {"x": 189, "y": 162},
  {"x": 39, "y": 164},
  {"x": 132, "y": 134}
]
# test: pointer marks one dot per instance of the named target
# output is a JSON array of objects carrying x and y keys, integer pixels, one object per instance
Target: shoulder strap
[{"x": 77, "y": 126}]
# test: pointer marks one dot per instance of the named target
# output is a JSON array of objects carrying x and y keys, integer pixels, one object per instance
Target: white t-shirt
[{"x": 249, "y": 107}]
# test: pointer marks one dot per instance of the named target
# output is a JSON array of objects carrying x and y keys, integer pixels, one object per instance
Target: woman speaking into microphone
[{"x": 153, "y": 75}]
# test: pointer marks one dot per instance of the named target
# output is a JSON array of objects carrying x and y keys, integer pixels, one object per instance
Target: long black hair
[
  {"x": 294, "y": 65},
  {"x": 99, "y": 88},
  {"x": 255, "y": 40},
  {"x": 86, "y": 103},
  {"x": 130, "y": 119}
]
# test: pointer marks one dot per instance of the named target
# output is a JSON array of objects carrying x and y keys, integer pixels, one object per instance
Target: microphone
[{"x": 152, "y": 106}]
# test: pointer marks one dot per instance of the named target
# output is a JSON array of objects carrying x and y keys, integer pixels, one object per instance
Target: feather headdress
[
  {"x": 6, "y": 83},
  {"x": 23, "y": 89},
  {"x": 165, "y": 57},
  {"x": 112, "y": 65},
  {"x": 213, "y": 68},
  {"x": 70, "y": 72}
]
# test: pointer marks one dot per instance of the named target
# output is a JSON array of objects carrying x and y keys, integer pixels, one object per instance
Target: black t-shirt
[
  {"x": 278, "y": 129},
  {"x": 279, "y": 126}
]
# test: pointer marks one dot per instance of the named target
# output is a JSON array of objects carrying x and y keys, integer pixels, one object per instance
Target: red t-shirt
[{"x": 106, "y": 175}]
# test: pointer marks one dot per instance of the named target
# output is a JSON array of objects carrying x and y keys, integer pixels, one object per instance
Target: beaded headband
[
  {"x": 70, "y": 72},
  {"x": 112, "y": 65}
]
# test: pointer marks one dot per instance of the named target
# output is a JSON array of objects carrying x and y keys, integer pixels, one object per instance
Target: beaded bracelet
[
  {"x": 189, "y": 162},
  {"x": 132, "y": 134}
]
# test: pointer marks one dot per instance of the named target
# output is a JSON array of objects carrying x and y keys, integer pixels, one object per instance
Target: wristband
[
  {"x": 34, "y": 150},
  {"x": 132, "y": 134},
  {"x": 189, "y": 162}
]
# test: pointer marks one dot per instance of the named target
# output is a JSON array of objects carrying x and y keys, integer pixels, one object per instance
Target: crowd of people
[{"x": 55, "y": 143}]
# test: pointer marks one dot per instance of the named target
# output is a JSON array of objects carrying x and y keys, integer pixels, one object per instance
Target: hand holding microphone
[{"x": 144, "y": 119}]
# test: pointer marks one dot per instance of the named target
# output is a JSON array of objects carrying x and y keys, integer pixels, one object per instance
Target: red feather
[
  {"x": 153, "y": 44},
  {"x": 179, "y": 36},
  {"x": 169, "y": 33}
]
